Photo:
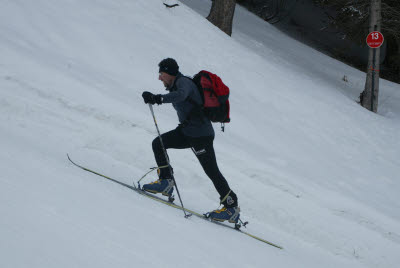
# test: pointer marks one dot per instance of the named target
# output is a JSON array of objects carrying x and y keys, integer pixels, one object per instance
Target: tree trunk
[
  {"x": 369, "y": 97},
  {"x": 397, "y": 59},
  {"x": 221, "y": 14}
]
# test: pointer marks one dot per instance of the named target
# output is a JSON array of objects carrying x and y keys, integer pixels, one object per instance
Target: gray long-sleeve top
[{"x": 182, "y": 89}]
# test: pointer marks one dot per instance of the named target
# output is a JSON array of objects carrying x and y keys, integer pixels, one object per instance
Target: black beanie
[{"x": 169, "y": 66}]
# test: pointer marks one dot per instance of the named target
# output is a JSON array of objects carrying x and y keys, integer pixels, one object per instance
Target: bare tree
[
  {"x": 221, "y": 14},
  {"x": 369, "y": 97}
]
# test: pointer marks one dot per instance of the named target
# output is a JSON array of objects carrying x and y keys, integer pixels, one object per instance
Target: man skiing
[{"x": 195, "y": 131}]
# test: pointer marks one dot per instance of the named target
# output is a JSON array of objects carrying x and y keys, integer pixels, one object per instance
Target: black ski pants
[{"x": 202, "y": 147}]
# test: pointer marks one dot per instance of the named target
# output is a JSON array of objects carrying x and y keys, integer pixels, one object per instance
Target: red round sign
[{"x": 375, "y": 39}]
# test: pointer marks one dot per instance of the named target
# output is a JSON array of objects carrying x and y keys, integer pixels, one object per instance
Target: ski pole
[{"x": 167, "y": 159}]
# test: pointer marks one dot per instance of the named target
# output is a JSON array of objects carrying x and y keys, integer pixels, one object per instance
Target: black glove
[{"x": 149, "y": 97}]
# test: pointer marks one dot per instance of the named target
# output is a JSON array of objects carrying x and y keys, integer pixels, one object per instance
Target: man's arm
[{"x": 184, "y": 87}]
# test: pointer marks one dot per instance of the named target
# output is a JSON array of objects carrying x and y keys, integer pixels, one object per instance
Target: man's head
[{"x": 169, "y": 69}]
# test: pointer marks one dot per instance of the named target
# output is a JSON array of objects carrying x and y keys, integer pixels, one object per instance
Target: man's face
[{"x": 167, "y": 79}]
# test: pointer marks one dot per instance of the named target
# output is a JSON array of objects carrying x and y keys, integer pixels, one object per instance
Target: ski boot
[
  {"x": 230, "y": 210},
  {"x": 163, "y": 186},
  {"x": 230, "y": 214}
]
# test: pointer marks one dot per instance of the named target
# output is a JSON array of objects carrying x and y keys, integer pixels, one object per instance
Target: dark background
[{"x": 309, "y": 23}]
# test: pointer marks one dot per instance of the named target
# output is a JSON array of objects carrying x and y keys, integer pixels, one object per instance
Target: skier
[{"x": 195, "y": 131}]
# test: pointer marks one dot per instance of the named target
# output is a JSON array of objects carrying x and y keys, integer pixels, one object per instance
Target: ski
[{"x": 171, "y": 204}]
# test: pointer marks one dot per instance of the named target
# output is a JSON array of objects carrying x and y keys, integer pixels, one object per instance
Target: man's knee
[{"x": 156, "y": 144}]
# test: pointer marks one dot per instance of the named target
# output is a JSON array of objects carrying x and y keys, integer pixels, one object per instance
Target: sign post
[{"x": 374, "y": 41}]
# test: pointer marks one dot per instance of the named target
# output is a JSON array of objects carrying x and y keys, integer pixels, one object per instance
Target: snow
[{"x": 314, "y": 172}]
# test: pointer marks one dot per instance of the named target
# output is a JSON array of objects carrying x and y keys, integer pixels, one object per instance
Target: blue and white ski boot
[
  {"x": 225, "y": 214},
  {"x": 163, "y": 186}
]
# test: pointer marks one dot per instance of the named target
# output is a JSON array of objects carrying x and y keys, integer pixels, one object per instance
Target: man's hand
[{"x": 149, "y": 97}]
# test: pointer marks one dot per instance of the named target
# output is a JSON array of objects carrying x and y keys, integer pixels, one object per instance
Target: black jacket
[{"x": 183, "y": 96}]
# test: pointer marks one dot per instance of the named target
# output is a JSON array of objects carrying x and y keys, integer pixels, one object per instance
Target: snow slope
[{"x": 314, "y": 172}]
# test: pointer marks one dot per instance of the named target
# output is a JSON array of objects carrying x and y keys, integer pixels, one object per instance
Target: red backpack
[{"x": 215, "y": 96}]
